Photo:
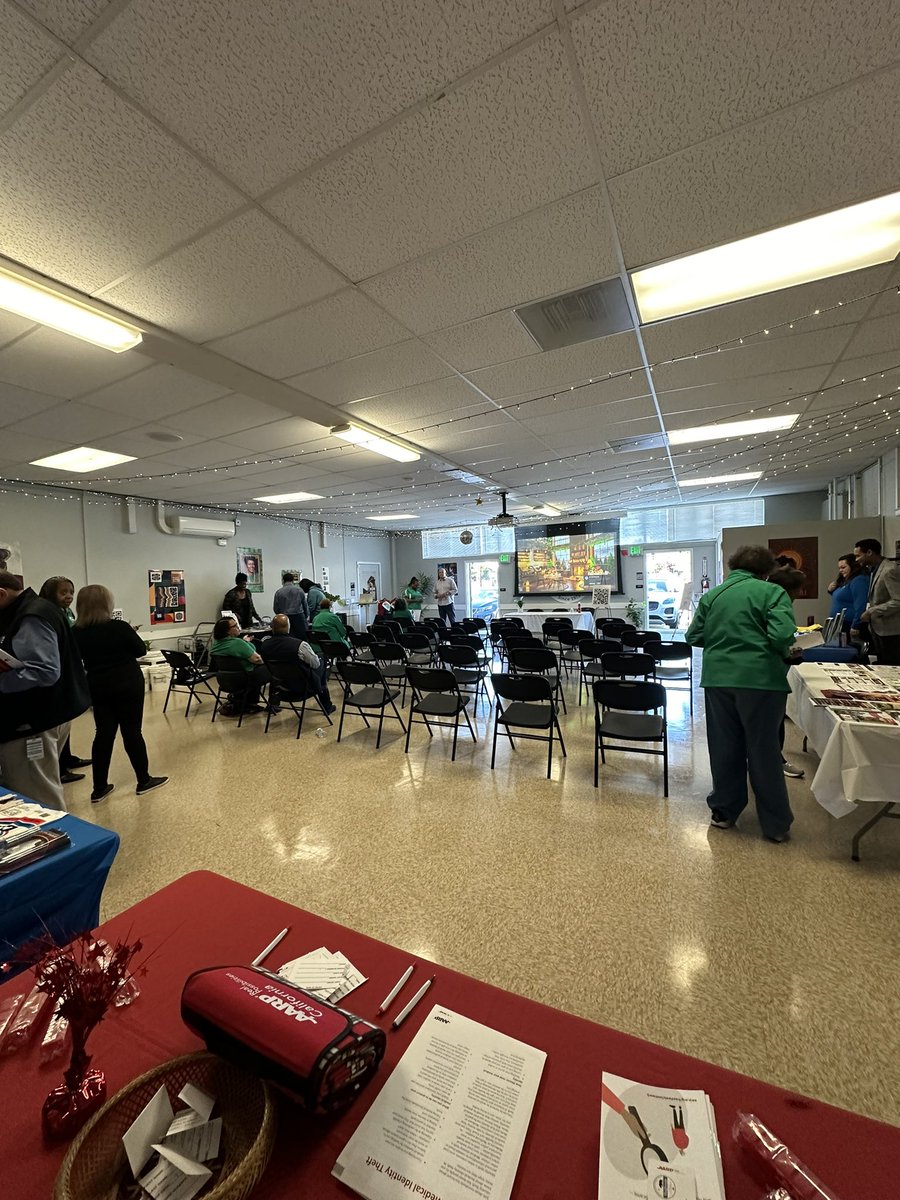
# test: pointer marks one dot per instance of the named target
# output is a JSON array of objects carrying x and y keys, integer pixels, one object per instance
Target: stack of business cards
[{"x": 328, "y": 975}]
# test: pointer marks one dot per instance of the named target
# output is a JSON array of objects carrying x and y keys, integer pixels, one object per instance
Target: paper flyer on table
[
  {"x": 642, "y": 1126},
  {"x": 451, "y": 1120}
]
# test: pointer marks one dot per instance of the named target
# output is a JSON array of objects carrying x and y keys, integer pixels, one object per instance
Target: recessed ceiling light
[
  {"x": 41, "y": 304},
  {"x": 373, "y": 441},
  {"x": 393, "y": 517},
  {"x": 732, "y": 429},
  {"x": 83, "y": 459},
  {"x": 288, "y": 497},
  {"x": 834, "y": 243},
  {"x": 709, "y": 480}
]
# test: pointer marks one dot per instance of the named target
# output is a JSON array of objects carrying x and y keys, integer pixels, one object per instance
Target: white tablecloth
[
  {"x": 535, "y": 620},
  {"x": 857, "y": 762}
]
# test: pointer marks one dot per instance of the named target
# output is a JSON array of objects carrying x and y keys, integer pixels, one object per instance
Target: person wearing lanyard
[{"x": 746, "y": 626}]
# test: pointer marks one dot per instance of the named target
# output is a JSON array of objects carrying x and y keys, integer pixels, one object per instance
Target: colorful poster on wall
[
  {"x": 250, "y": 562},
  {"x": 802, "y": 553},
  {"x": 11, "y": 558},
  {"x": 452, "y": 570},
  {"x": 295, "y": 571},
  {"x": 168, "y": 605}
]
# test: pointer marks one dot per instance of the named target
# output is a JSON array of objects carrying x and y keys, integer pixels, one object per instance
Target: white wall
[
  {"x": 835, "y": 538},
  {"x": 87, "y": 538}
]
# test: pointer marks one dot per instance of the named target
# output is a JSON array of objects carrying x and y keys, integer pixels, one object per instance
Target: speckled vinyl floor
[{"x": 779, "y": 961}]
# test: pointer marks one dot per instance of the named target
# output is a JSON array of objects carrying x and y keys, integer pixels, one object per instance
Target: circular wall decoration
[{"x": 466, "y": 537}]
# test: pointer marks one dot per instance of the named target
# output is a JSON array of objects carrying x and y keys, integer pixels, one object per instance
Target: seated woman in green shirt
[
  {"x": 401, "y": 612},
  {"x": 228, "y": 644},
  {"x": 330, "y": 624}
]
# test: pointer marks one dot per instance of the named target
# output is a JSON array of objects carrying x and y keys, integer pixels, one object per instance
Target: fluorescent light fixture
[
  {"x": 732, "y": 429},
  {"x": 393, "y": 517},
  {"x": 548, "y": 510},
  {"x": 83, "y": 459},
  {"x": 862, "y": 235},
  {"x": 709, "y": 480},
  {"x": 47, "y": 307},
  {"x": 372, "y": 441},
  {"x": 288, "y": 497}
]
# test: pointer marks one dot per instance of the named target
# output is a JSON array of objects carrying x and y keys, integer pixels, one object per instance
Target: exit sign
[
  {"x": 504, "y": 558},
  {"x": 635, "y": 551}
]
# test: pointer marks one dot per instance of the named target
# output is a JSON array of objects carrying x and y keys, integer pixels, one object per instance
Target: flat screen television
[{"x": 571, "y": 558}]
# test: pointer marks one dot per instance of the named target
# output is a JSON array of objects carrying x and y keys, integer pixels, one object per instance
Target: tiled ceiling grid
[{"x": 350, "y": 196}]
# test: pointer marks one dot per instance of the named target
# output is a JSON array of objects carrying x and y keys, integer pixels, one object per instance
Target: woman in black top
[
  {"x": 61, "y": 591},
  {"x": 109, "y": 650}
]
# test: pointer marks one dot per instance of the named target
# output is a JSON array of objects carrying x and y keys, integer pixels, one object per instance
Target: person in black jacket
[
  {"x": 41, "y": 691},
  {"x": 238, "y": 600},
  {"x": 110, "y": 650}
]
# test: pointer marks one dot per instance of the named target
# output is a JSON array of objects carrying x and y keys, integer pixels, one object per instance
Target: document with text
[{"x": 451, "y": 1120}]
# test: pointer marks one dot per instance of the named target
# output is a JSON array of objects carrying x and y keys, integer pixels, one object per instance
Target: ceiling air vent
[
  {"x": 592, "y": 312},
  {"x": 644, "y": 441}
]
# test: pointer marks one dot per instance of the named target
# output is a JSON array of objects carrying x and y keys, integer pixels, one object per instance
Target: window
[
  {"x": 486, "y": 539},
  {"x": 690, "y": 522}
]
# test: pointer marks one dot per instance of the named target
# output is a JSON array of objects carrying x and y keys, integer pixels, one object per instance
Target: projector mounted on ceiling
[{"x": 503, "y": 519}]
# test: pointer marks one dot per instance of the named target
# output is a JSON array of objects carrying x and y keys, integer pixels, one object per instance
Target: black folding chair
[
  {"x": 637, "y": 639},
  {"x": 373, "y": 694},
  {"x": 292, "y": 685},
  {"x": 630, "y": 712},
  {"x": 391, "y": 660},
  {"x": 362, "y": 644},
  {"x": 474, "y": 642},
  {"x": 419, "y": 649},
  {"x": 674, "y": 662},
  {"x": 590, "y": 668},
  {"x": 529, "y": 706},
  {"x": 237, "y": 685},
  {"x": 186, "y": 677},
  {"x": 469, "y": 672},
  {"x": 538, "y": 660},
  {"x": 628, "y": 666},
  {"x": 570, "y": 655},
  {"x": 435, "y": 694},
  {"x": 550, "y": 631}
]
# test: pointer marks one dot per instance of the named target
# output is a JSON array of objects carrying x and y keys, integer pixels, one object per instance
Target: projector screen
[{"x": 552, "y": 559}]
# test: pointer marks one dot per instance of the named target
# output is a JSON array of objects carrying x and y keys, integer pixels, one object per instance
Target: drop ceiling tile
[
  {"x": 156, "y": 391},
  {"x": 775, "y": 171},
  {"x": 292, "y": 84},
  {"x": 16, "y": 404},
  {"x": 244, "y": 272},
  {"x": 22, "y": 448},
  {"x": 556, "y": 369},
  {"x": 278, "y": 435},
  {"x": 554, "y": 249},
  {"x": 716, "y": 66},
  {"x": 75, "y": 423},
  {"x": 608, "y": 396},
  {"x": 26, "y": 54},
  {"x": 343, "y": 325},
  {"x": 444, "y": 397},
  {"x": 226, "y": 416},
  {"x": 58, "y": 365},
  {"x": 402, "y": 365},
  {"x": 203, "y": 454},
  {"x": 104, "y": 189},
  {"x": 66, "y": 18},
  {"x": 877, "y": 336},
  {"x": 505, "y": 142},
  {"x": 483, "y": 342},
  {"x": 12, "y": 326}
]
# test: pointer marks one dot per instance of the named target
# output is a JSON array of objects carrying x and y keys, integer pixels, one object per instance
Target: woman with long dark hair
[
  {"x": 110, "y": 650},
  {"x": 850, "y": 593},
  {"x": 61, "y": 591}
]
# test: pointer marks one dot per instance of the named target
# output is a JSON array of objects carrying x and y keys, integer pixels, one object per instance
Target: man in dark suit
[{"x": 882, "y": 614}]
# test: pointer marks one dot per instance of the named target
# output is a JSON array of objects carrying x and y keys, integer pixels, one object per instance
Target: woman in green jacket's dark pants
[{"x": 746, "y": 627}]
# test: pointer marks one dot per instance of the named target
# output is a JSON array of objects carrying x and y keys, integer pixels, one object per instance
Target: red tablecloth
[{"x": 204, "y": 919}]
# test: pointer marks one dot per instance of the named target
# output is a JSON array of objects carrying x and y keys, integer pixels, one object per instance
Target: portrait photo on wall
[
  {"x": 168, "y": 604},
  {"x": 368, "y": 581},
  {"x": 452, "y": 570},
  {"x": 250, "y": 562},
  {"x": 11, "y": 558},
  {"x": 803, "y": 554}
]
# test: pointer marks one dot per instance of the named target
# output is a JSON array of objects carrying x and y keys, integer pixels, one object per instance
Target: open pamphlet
[
  {"x": 451, "y": 1120},
  {"x": 657, "y": 1143}
]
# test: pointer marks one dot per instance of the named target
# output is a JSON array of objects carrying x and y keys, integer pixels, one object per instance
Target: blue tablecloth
[{"x": 61, "y": 893}]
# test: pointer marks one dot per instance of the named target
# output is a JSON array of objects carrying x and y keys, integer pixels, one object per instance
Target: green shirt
[
  {"x": 233, "y": 647},
  {"x": 413, "y": 598},
  {"x": 746, "y": 627},
  {"x": 325, "y": 621}
]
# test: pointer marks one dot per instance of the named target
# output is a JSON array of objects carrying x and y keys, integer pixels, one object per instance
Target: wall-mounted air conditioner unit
[{"x": 193, "y": 526}]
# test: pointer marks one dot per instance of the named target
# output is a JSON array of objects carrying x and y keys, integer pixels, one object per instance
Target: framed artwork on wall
[
  {"x": 250, "y": 562},
  {"x": 168, "y": 605},
  {"x": 802, "y": 553},
  {"x": 368, "y": 582}
]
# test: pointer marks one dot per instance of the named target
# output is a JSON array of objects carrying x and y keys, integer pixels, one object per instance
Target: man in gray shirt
[{"x": 290, "y": 601}]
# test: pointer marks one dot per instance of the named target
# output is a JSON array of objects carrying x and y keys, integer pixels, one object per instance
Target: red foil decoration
[{"x": 69, "y": 1107}]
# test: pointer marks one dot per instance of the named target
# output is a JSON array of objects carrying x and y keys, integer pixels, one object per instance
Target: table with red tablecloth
[{"x": 204, "y": 919}]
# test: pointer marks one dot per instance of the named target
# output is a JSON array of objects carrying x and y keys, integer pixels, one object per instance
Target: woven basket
[{"x": 96, "y": 1168}]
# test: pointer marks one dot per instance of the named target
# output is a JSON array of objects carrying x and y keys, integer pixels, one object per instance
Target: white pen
[
  {"x": 404, "y": 1013},
  {"x": 392, "y": 994},
  {"x": 271, "y": 946}
]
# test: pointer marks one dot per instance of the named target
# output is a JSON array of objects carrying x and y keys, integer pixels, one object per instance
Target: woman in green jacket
[{"x": 746, "y": 626}]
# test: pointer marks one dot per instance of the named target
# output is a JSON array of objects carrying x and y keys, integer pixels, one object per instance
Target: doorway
[
  {"x": 669, "y": 587},
  {"x": 483, "y": 578}
]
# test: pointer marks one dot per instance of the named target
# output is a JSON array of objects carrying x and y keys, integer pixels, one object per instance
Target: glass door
[{"x": 483, "y": 578}]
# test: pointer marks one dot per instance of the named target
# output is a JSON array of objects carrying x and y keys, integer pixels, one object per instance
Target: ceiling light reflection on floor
[{"x": 687, "y": 962}]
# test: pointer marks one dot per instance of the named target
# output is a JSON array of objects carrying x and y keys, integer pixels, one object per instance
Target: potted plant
[
  {"x": 520, "y": 602},
  {"x": 634, "y": 611}
]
